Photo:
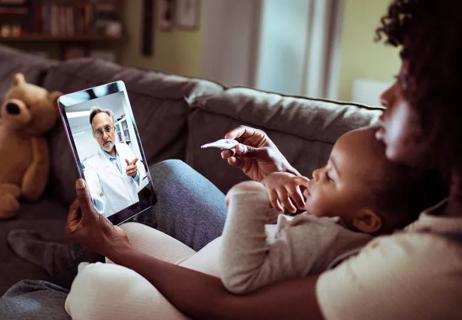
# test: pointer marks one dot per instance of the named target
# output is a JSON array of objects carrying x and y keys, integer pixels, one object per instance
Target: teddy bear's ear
[
  {"x": 53, "y": 96},
  {"x": 18, "y": 79}
]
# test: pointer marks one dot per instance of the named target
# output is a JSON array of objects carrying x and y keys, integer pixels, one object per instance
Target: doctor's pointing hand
[{"x": 131, "y": 169}]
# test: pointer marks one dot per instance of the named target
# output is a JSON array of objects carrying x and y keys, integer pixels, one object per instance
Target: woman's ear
[{"x": 367, "y": 221}]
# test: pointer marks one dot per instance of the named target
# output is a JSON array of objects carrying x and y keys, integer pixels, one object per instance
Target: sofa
[{"x": 175, "y": 115}]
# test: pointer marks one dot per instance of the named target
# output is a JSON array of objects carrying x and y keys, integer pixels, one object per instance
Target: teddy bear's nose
[{"x": 12, "y": 108}]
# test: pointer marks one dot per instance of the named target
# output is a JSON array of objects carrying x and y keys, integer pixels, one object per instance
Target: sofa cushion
[
  {"x": 33, "y": 67},
  {"x": 304, "y": 129},
  {"x": 78, "y": 74},
  {"x": 159, "y": 102}
]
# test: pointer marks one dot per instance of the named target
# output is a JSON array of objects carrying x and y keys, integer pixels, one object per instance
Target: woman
[{"x": 413, "y": 274}]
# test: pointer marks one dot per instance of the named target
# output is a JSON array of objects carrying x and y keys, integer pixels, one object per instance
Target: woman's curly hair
[{"x": 429, "y": 33}]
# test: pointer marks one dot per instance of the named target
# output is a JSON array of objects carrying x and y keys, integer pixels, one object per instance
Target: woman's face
[{"x": 401, "y": 130}]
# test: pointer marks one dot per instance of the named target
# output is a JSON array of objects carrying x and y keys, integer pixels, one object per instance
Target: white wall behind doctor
[{"x": 86, "y": 145}]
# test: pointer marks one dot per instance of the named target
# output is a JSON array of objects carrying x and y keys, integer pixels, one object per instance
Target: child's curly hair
[{"x": 429, "y": 33}]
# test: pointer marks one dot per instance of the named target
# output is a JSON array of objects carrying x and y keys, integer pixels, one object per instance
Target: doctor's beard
[{"x": 108, "y": 146}]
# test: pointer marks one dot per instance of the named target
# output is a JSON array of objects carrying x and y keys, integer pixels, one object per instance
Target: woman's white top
[{"x": 413, "y": 274}]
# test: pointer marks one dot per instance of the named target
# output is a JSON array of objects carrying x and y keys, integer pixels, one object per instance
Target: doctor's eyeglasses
[{"x": 106, "y": 129}]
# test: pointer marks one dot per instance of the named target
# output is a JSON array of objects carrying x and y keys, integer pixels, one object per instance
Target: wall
[
  {"x": 361, "y": 57},
  {"x": 229, "y": 41},
  {"x": 281, "y": 58},
  {"x": 176, "y": 51},
  {"x": 181, "y": 52}
]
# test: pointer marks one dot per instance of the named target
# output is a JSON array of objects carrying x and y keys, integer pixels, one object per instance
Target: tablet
[{"x": 107, "y": 149}]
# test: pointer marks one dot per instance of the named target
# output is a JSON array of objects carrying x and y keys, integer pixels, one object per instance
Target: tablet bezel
[{"x": 85, "y": 95}]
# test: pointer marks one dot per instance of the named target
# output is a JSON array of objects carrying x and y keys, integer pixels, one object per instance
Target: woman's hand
[
  {"x": 285, "y": 190},
  {"x": 256, "y": 155},
  {"x": 87, "y": 226}
]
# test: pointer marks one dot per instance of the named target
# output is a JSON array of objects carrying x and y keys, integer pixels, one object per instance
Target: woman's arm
[
  {"x": 196, "y": 294},
  {"x": 201, "y": 296}
]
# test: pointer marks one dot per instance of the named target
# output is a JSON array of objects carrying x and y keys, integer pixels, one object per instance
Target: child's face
[{"x": 340, "y": 187}]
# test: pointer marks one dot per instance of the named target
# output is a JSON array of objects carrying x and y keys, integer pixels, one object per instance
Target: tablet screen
[{"x": 104, "y": 138}]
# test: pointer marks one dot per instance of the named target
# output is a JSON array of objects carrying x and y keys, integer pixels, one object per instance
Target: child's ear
[{"x": 367, "y": 221}]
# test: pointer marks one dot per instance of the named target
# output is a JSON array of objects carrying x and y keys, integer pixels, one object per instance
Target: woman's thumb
[
  {"x": 80, "y": 186},
  {"x": 245, "y": 151},
  {"x": 82, "y": 194}
]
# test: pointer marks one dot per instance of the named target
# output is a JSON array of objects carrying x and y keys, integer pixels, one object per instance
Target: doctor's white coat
[{"x": 110, "y": 189}]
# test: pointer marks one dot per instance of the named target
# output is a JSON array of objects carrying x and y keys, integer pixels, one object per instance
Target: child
[{"x": 358, "y": 194}]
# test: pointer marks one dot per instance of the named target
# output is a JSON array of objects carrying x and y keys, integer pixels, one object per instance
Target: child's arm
[
  {"x": 285, "y": 190},
  {"x": 303, "y": 246},
  {"x": 244, "y": 244},
  {"x": 248, "y": 260}
]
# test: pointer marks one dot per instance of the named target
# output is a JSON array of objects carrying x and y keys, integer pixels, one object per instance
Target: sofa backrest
[
  {"x": 304, "y": 129},
  {"x": 14, "y": 61}
]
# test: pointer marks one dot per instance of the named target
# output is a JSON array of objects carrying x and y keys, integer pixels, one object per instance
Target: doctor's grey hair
[{"x": 95, "y": 110}]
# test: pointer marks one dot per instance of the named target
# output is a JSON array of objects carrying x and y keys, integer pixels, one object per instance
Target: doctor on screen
[{"x": 114, "y": 173}]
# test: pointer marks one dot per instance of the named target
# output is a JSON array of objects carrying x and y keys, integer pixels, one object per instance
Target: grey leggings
[{"x": 189, "y": 208}]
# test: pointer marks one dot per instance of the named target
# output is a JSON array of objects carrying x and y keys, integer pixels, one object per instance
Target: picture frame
[
  {"x": 165, "y": 14},
  {"x": 187, "y": 14}
]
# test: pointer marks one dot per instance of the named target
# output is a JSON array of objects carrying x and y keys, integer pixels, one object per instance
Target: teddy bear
[{"x": 27, "y": 112}]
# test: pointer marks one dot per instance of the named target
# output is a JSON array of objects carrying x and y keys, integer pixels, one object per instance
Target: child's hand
[{"x": 285, "y": 190}]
